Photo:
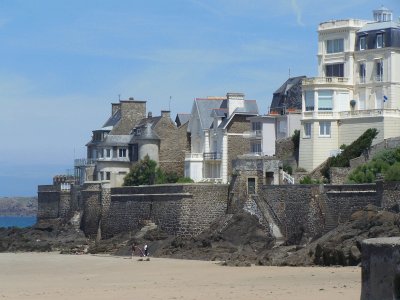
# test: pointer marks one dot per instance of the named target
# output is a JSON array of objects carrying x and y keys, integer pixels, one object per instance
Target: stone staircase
[{"x": 149, "y": 225}]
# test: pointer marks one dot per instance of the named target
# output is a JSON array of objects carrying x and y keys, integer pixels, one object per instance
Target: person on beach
[
  {"x": 146, "y": 250},
  {"x": 133, "y": 250}
]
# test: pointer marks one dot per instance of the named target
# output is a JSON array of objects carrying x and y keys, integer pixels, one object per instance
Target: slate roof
[
  {"x": 205, "y": 107},
  {"x": 182, "y": 119},
  {"x": 379, "y": 26},
  {"x": 116, "y": 140},
  {"x": 114, "y": 119},
  {"x": 288, "y": 95}
]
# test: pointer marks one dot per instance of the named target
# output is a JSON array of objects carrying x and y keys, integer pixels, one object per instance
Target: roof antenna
[
  {"x": 119, "y": 97},
  {"x": 169, "y": 105},
  {"x": 289, "y": 72}
]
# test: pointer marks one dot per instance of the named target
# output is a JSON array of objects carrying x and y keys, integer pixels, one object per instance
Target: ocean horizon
[{"x": 17, "y": 221}]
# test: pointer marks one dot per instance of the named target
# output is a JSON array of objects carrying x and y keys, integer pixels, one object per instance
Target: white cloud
[{"x": 297, "y": 11}]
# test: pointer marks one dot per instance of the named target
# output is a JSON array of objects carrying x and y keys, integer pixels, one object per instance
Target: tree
[{"x": 143, "y": 173}]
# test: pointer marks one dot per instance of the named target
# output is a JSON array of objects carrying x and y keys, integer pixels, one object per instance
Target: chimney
[
  {"x": 165, "y": 114},
  {"x": 114, "y": 108},
  {"x": 149, "y": 114},
  {"x": 235, "y": 100}
]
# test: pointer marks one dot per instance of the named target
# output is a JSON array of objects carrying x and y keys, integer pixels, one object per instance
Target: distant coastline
[{"x": 18, "y": 206}]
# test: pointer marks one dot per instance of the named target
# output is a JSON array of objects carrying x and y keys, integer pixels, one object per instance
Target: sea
[{"x": 10, "y": 221}]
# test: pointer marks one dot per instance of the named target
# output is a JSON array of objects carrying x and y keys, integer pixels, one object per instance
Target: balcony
[
  {"x": 84, "y": 162},
  {"x": 368, "y": 113},
  {"x": 326, "y": 81},
  {"x": 113, "y": 159},
  {"x": 194, "y": 156},
  {"x": 212, "y": 156}
]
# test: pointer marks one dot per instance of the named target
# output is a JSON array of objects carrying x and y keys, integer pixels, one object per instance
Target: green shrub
[
  {"x": 354, "y": 150},
  {"x": 142, "y": 173},
  {"x": 184, "y": 180},
  {"x": 288, "y": 168},
  {"x": 393, "y": 173},
  {"x": 309, "y": 180}
]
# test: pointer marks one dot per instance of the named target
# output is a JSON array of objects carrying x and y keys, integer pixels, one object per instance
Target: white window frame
[
  {"x": 122, "y": 152},
  {"x": 307, "y": 130},
  {"x": 362, "y": 71},
  {"x": 107, "y": 153},
  {"x": 325, "y": 129},
  {"x": 379, "y": 70},
  {"x": 363, "y": 43},
  {"x": 379, "y": 41},
  {"x": 334, "y": 46}
]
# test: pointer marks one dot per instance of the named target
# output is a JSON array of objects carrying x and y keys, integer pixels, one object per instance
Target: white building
[
  {"x": 358, "y": 86},
  {"x": 218, "y": 126}
]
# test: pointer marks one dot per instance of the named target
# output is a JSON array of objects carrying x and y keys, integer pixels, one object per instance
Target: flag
[{"x": 385, "y": 98}]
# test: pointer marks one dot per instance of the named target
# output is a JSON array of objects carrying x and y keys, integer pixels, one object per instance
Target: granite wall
[{"x": 181, "y": 209}]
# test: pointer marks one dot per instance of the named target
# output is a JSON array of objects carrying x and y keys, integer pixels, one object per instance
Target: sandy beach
[{"x": 56, "y": 276}]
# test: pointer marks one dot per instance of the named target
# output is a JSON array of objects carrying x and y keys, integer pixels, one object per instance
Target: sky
[{"x": 62, "y": 64}]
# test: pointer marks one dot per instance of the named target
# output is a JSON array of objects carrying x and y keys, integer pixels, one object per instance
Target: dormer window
[
  {"x": 379, "y": 40},
  {"x": 362, "y": 42}
]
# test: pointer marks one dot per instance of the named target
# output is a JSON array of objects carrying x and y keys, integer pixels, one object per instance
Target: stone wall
[
  {"x": 48, "y": 202},
  {"x": 185, "y": 209},
  {"x": 296, "y": 208},
  {"x": 339, "y": 175},
  {"x": 92, "y": 208},
  {"x": 390, "y": 194},
  {"x": 173, "y": 144}
]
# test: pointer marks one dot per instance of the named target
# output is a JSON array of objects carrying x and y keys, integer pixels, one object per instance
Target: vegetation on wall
[
  {"x": 354, "y": 150},
  {"x": 385, "y": 164},
  {"x": 296, "y": 144},
  {"x": 146, "y": 172}
]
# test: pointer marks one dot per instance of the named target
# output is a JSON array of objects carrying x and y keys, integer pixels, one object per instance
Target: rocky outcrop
[{"x": 18, "y": 206}]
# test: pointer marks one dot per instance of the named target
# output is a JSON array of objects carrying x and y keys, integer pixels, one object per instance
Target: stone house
[
  {"x": 358, "y": 86},
  {"x": 128, "y": 136},
  {"x": 217, "y": 128}
]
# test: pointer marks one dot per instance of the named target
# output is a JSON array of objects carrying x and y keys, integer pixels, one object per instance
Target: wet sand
[{"x": 56, "y": 276}]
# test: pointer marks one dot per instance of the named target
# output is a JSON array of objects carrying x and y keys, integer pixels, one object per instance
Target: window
[
  {"x": 107, "y": 153},
  {"x": 379, "y": 40},
  {"x": 256, "y": 148},
  {"x": 362, "y": 72},
  {"x": 256, "y": 126},
  {"x": 101, "y": 175},
  {"x": 309, "y": 99},
  {"x": 325, "y": 100},
  {"x": 135, "y": 152},
  {"x": 108, "y": 175},
  {"x": 121, "y": 152},
  {"x": 307, "y": 130},
  {"x": 325, "y": 129},
  {"x": 251, "y": 186},
  {"x": 379, "y": 70},
  {"x": 362, "y": 42},
  {"x": 334, "y": 46},
  {"x": 336, "y": 70}
]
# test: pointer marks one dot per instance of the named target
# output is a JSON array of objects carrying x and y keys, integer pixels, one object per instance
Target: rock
[{"x": 355, "y": 253}]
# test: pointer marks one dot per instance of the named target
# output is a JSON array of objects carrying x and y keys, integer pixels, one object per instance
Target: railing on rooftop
[
  {"x": 82, "y": 162},
  {"x": 212, "y": 155},
  {"x": 191, "y": 155},
  {"x": 325, "y": 80}
]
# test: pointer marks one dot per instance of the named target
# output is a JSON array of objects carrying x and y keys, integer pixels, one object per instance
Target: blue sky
[{"x": 64, "y": 62}]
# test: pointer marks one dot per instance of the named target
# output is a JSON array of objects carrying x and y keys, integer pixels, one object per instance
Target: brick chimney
[{"x": 166, "y": 114}]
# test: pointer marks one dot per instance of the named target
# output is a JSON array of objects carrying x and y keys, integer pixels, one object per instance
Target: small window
[
  {"x": 108, "y": 153},
  {"x": 309, "y": 100},
  {"x": 307, "y": 130},
  {"x": 334, "y": 70},
  {"x": 325, "y": 129},
  {"x": 101, "y": 175},
  {"x": 251, "y": 186},
  {"x": 108, "y": 175},
  {"x": 122, "y": 153},
  {"x": 379, "y": 40},
  {"x": 379, "y": 70},
  {"x": 256, "y": 148},
  {"x": 325, "y": 100},
  {"x": 256, "y": 126},
  {"x": 362, "y": 43},
  {"x": 362, "y": 72}
]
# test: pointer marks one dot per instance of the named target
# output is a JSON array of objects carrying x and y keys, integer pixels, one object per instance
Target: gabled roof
[
  {"x": 182, "y": 118},
  {"x": 149, "y": 120},
  {"x": 250, "y": 109},
  {"x": 205, "y": 107}
]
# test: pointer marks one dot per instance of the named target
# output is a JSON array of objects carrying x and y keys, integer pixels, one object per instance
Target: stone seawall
[
  {"x": 48, "y": 202},
  {"x": 183, "y": 210}
]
